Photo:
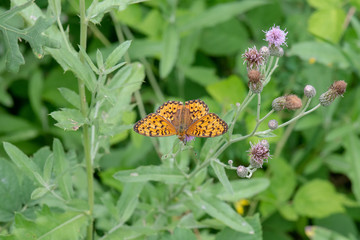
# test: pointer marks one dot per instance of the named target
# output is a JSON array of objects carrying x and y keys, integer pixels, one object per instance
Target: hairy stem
[{"x": 84, "y": 110}]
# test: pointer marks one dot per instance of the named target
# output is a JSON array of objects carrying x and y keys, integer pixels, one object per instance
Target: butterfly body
[{"x": 191, "y": 119}]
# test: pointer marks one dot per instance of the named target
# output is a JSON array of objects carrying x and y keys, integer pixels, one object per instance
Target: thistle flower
[
  {"x": 337, "y": 89},
  {"x": 255, "y": 83},
  {"x": 242, "y": 171},
  {"x": 275, "y": 36},
  {"x": 309, "y": 91},
  {"x": 258, "y": 154},
  {"x": 253, "y": 58},
  {"x": 290, "y": 102},
  {"x": 188, "y": 139},
  {"x": 273, "y": 124}
]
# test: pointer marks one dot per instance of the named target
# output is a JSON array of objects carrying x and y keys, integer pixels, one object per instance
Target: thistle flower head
[
  {"x": 309, "y": 91},
  {"x": 275, "y": 36},
  {"x": 242, "y": 171},
  {"x": 258, "y": 154},
  {"x": 337, "y": 89},
  {"x": 188, "y": 139},
  {"x": 255, "y": 83},
  {"x": 273, "y": 124},
  {"x": 253, "y": 58}
]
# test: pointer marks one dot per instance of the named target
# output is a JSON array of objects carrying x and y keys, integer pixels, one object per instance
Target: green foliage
[{"x": 71, "y": 163}]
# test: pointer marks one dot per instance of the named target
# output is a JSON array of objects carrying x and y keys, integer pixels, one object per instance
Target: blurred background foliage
[{"x": 192, "y": 50}]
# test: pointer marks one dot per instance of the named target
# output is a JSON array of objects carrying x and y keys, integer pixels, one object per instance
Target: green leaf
[
  {"x": 129, "y": 200},
  {"x": 151, "y": 173},
  {"x": 228, "y": 91},
  {"x": 224, "y": 39},
  {"x": 353, "y": 156},
  {"x": 219, "y": 13},
  {"x": 35, "y": 95},
  {"x": 51, "y": 225},
  {"x": 10, "y": 191},
  {"x": 242, "y": 189},
  {"x": 322, "y": 52},
  {"x": 228, "y": 233},
  {"x": 21, "y": 160},
  {"x": 62, "y": 170},
  {"x": 38, "y": 193},
  {"x": 222, "y": 212},
  {"x": 320, "y": 233},
  {"x": 88, "y": 60},
  {"x": 117, "y": 54},
  {"x": 70, "y": 96},
  {"x": 201, "y": 75},
  {"x": 48, "y": 166},
  {"x": 181, "y": 234},
  {"x": 55, "y": 7},
  {"x": 323, "y": 4},
  {"x": 170, "y": 50},
  {"x": 327, "y": 24},
  {"x": 99, "y": 59},
  {"x": 221, "y": 174},
  {"x": 318, "y": 199},
  {"x": 68, "y": 119}
]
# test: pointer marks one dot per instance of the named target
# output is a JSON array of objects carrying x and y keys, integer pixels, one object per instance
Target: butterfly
[{"x": 187, "y": 121}]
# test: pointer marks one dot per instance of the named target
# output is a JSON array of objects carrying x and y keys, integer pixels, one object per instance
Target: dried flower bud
[
  {"x": 290, "y": 102},
  {"x": 255, "y": 83},
  {"x": 253, "y": 58},
  {"x": 338, "y": 88},
  {"x": 293, "y": 102},
  {"x": 273, "y": 124},
  {"x": 265, "y": 52},
  {"x": 258, "y": 153},
  {"x": 242, "y": 171},
  {"x": 309, "y": 91}
]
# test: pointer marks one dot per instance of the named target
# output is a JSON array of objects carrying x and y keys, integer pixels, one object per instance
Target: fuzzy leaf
[
  {"x": 117, "y": 54},
  {"x": 68, "y": 119},
  {"x": 169, "y": 51}
]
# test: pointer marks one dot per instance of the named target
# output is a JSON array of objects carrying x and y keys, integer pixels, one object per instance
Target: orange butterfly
[{"x": 187, "y": 121}]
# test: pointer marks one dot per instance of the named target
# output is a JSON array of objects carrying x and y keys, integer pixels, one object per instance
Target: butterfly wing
[
  {"x": 209, "y": 125},
  {"x": 169, "y": 109},
  {"x": 154, "y": 125},
  {"x": 197, "y": 109}
]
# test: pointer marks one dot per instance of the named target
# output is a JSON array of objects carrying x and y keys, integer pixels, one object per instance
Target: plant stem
[{"x": 84, "y": 110}]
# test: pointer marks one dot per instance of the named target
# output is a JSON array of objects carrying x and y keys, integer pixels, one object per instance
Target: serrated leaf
[
  {"x": 222, "y": 212},
  {"x": 55, "y": 6},
  {"x": 61, "y": 167},
  {"x": 117, "y": 54},
  {"x": 151, "y": 173},
  {"x": 38, "y": 193},
  {"x": 220, "y": 173},
  {"x": 170, "y": 50},
  {"x": 71, "y": 96},
  {"x": 10, "y": 13},
  {"x": 68, "y": 119}
]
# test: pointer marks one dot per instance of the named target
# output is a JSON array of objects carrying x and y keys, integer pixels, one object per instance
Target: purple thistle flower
[
  {"x": 188, "y": 138},
  {"x": 253, "y": 58},
  {"x": 258, "y": 154},
  {"x": 275, "y": 36}
]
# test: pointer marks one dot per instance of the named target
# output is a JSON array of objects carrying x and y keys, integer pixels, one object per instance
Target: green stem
[{"x": 84, "y": 110}]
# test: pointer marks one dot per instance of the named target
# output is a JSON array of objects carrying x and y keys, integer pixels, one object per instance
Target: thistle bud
[
  {"x": 265, "y": 143},
  {"x": 258, "y": 153},
  {"x": 230, "y": 162},
  {"x": 255, "y": 83},
  {"x": 273, "y": 124},
  {"x": 276, "y": 51},
  {"x": 278, "y": 104},
  {"x": 309, "y": 91},
  {"x": 265, "y": 52},
  {"x": 242, "y": 171},
  {"x": 338, "y": 88},
  {"x": 293, "y": 102}
]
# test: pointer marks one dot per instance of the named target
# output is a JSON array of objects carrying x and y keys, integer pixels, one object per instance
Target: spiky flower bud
[
  {"x": 255, "y": 83},
  {"x": 290, "y": 102},
  {"x": 276, "y": 51},
  {"x": 265, "y": 52},
  {"x": 273, "y": 124},
  {"x": 337, "y": 89},
  {"x": 230, "y": 162},
  {"x": 242, "y": 171},
  {"x": 265, "y": 143},
  {"x": 258, "y": 154},
  {"x": 309, "y": 91},
  {"x": 253, "y": 58}
]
